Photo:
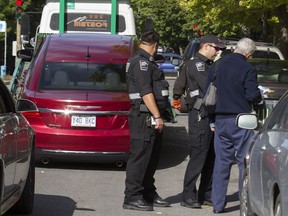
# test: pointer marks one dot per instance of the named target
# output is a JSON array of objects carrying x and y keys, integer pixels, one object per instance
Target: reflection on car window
[
  {"x": 7, "y": 104},
  {"x": 83, "y": 76},
  {"x": 2, "y": 106},
  {"x": 284, "y": 119},
  {"x": 264, "y": 54},
  {"x": 272, "y": 71},
  {"x": 167, "y": 58},
  {"x": 279, "y": 118}
]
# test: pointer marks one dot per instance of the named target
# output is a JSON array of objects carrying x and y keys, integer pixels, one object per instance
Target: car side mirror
[
  {"x": 25, "y": 55},
  {"x": 33, "y": 41},
  {"x": 25, "y": 105},
  {"x": 25, "y": 39},
  {"x": 247, "y": 121}
]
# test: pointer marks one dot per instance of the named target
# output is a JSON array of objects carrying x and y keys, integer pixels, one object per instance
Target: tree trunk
[
  {"x": 265, "y": 33},
  {"x": 282, "y": 14}
]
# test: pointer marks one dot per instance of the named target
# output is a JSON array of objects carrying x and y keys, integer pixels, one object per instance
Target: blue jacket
[{"x": 237, "y": 87}]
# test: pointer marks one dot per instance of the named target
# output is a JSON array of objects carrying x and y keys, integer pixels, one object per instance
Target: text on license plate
[{"x": 83, "y": 121}]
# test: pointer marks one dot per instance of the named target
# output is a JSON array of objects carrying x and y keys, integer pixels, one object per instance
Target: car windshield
[
  {"x": 83, "y": 76},
  {"x": 271, "y": 71}
]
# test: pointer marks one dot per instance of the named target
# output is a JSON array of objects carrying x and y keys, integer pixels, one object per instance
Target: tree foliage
[
  {"x": 7, "y": 13},
  {"x": 265, "y": 20},
  {"x": 168, "y": 17}
]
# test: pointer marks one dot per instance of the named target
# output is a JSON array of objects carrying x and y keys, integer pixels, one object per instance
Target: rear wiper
[
  {"x": 268, "y": 54},
  {"x": 88, "y": 57}
]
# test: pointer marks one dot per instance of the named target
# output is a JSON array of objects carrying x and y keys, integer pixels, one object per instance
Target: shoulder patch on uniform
[
  {"x": 127, "y": 67},
  {"x": 200, "y": 66},
  {"x": 143, "y": 65}
]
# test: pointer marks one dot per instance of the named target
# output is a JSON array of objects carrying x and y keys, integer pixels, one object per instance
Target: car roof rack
[{"x": 233, "y": 41}]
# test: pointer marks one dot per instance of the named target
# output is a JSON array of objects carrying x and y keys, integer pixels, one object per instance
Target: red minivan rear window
[{"x": 83, "y": 76}]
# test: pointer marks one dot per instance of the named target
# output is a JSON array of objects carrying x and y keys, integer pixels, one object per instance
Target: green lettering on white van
[{"x": 70, "y": 4}]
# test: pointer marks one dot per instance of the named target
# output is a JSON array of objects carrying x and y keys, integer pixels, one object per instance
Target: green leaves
[{"x": 174, "y": 20}]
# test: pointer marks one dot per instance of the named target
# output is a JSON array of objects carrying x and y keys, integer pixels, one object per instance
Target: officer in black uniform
[
  {"x": 201, "y": 151},
  {"x": 148, "y": 91}
]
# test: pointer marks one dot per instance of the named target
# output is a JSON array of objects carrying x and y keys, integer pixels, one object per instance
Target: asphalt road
[{"x": 97, "y": 189}]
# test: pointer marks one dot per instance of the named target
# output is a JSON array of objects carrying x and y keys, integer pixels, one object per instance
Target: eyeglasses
[{"x": 215, "y": 47}]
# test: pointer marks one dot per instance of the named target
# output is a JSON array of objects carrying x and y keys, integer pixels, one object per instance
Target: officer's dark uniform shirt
[
  {"x": 140, "y": 66},
  {"x": 144, "y": 77},
  {"x": 196, "y": 72}
]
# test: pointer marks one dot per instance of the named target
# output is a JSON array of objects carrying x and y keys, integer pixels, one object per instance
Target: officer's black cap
[
  {"x": 210, "y": 38},
  {"x": 148, "y": 34}
]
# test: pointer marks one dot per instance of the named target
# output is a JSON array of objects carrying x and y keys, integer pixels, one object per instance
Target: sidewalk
[{"x": 7, "y": 79}]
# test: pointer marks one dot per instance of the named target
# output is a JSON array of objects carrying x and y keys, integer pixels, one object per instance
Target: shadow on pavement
[
  {"x": 233, "y": 197},
  {"x": 81, "y": 166},
  {"x": 175, "y": 199},
  {"x": 174, "y": 147},
  {"x": 232, "y": 209},
  {"x": 60, "y": 205},
  {"x": 230, "y": 198}
]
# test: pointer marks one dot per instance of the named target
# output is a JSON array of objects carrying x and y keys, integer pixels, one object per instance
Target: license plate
[{"x": 83, "y": 121}]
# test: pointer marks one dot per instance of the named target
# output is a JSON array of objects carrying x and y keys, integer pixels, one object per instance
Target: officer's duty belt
[{"x": 141, "y": 107}]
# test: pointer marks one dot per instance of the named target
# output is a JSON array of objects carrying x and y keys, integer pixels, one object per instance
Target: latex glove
[
  {"x": 177, "y": 104},
  {"x": 212, "y": 127}
]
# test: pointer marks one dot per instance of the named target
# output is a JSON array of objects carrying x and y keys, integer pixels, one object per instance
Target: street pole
[
  {"x": 18, "y": 35},
  {"x": 61, "y": 16},
  {"x": 18, "y": 38},
  {"x": 5, "y": 53},
  {"x": 3, "y": 28},
  {"x": 113, "y": 16}
]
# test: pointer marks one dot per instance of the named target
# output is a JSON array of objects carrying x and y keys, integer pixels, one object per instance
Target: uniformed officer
[
  {"x": 148, "y": 91},
  {"x": 193, "y": 78}
]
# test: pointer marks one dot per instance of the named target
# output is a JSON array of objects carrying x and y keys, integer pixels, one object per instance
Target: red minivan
[{"x": 75, "y": 97}]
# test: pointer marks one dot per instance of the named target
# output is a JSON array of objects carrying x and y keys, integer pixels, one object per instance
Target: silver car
[
  {"x": 265, "y": 176},
  {"x": 17, "y": 165}
]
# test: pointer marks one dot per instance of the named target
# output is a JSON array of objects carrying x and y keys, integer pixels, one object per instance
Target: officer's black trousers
[
  {"x": 202, "y": 156},
  {"x": 143, "y": 160}
]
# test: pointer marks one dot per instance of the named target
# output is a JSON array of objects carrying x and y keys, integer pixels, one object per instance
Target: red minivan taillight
[{"x": 31, "y": 114}]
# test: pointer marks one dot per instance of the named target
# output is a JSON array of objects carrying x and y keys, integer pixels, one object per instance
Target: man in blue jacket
[{"x": 237, "y": 92}]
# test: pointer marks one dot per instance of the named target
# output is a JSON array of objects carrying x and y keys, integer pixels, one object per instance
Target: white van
[{"x": 92, "y": 16}]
